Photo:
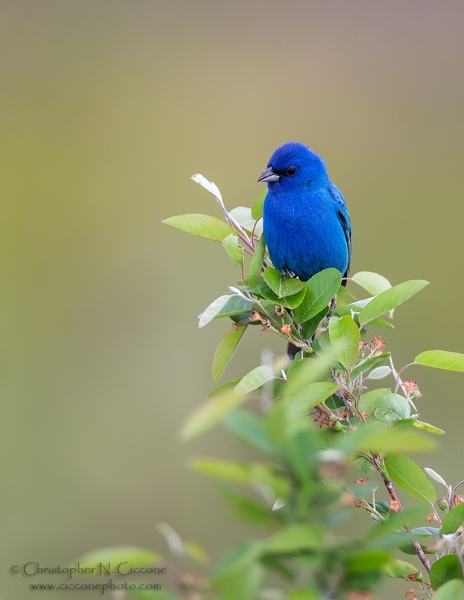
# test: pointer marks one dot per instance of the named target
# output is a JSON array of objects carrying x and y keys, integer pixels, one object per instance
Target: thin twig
[
  {"x": 404, "y": 368},
  {"x": 394, "y": 496},
  {"x": 355, "y": 400},
  {"x": 253, "y": 230},
  {"x": 456, "y": 487},
  {"x": 346, "y": 402},
  {"x": 425, "y": 588},
  {"x": 399, "y": 383}
]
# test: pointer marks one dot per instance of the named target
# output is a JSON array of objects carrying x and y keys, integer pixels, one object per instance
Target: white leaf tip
[{"x": 209, "y": 186}]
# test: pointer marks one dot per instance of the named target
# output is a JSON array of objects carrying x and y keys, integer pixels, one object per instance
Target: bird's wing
[{"x": 344, "y": 218}]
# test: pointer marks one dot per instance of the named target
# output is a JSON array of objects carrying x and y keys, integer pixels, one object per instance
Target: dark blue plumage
[{"x": 306, "y": 223}]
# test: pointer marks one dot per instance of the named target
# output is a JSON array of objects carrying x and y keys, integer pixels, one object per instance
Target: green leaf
[
  {"x": 243, "y": 319},
  {"x": 254, "y": 379},
  {"x": 293, "y": 538},
  {"x": 379, "y": 373},
  {"x": 453, "y": 520},
  {"x": 308, "y": 328},
  {"x": 305, "y": 371},
  {"x": 409, "y": 477},
  {"x": 364, "y": 569},
  {"x": 368, "y": 364},
  {"x": 301, "y": 445},
  {"x": 210, "y": 413},
  {"x": 385, "y": 406},
  {"x": 219, "y": 391},
  {"x": 408, "y": 549},
  {"x": 202, "y": 225},
  {"x": 445, "y": 569},
  {"x": 392, "y": 406},
  {"x": 345, "y": 332},
  {"x": 344, "y": 296},
  {"x": 320, "y": 290},
  {"x": 325, "y": 344},
  {"x": 288, "y": 302},
  {"x": 243, "y": 216},
  {"x": 311, "y": 395},
  {"x": 225, "y": 350},
  {"x": 242, "y": 554},
  {"x": 302, "y": 594},
  {"x": 238, "y": 575},
  {"x": 367, "y": 402},
  {"x": 254, "y": 272},
  {"x": 403, "y": 424},
  {"x": 427, "y": 427},
  {"x": 426, "y": 531},
  {"x": 381, "y": 437},
  {"x": 367, "y": 560},
  {"x": 372, "y": 282},
  {"x": 245, "y": 508},
  {"x": 230, "y": 245},
  {"x": 226, "y": 470},
  {"x": 441, "y": 359},
  {"x": 398, "y": 568},
  {"x": 282, "y": 286},
  {"x": 378, "y": 322},
  {"x": 236, "y": 305},
  {"x": 254, "y": 474},
  {"x": 138, "y": 557},
  {"x": 452, "y": 590},
  {"x": 390, "y": 299},
  {"x": 250, "y": 430},
  {"x": 244, "y": 583},
  {"x": 355, "y": 307},
  {"x": 284, "y": 417},
  {"x": 399, "y": 441},
  {"x": 213, "y": 310},
  {"x": 257, "y": 208},
  {"x": 280, "y": 566}
]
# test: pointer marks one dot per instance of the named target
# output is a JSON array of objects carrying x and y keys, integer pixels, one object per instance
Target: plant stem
[
  {"x": 399, "y": 383},
  {"x": 394, "y": 496}
]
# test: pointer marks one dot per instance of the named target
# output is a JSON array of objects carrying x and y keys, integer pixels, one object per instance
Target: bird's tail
[{"x": 292, "y": 350}]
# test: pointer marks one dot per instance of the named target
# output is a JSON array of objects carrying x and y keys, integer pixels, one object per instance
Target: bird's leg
[{"x": 288, "y": 275}]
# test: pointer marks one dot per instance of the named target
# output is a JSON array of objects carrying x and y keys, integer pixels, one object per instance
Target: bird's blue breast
[{"x": 307, "y": 232}]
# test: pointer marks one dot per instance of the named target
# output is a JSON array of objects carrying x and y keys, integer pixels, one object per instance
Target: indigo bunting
[{"x": 306, "y": 223}]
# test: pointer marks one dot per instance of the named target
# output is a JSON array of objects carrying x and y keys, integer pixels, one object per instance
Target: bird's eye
[{"x": 291, "y": 171}]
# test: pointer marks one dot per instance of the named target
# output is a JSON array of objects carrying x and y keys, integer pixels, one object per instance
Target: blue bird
[{"x": 305, "y": 220}]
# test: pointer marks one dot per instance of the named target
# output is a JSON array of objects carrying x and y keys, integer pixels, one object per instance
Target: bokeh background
[{"x": 107, "y": 108}]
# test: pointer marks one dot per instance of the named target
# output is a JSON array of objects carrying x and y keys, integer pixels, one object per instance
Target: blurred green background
[{"x": 108, "y": 107}]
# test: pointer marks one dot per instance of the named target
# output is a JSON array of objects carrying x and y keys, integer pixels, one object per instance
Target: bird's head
[{"x": 293, "y": 166}]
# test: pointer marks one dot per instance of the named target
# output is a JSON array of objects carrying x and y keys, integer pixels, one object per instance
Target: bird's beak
[{"x": 269, "y": 176}]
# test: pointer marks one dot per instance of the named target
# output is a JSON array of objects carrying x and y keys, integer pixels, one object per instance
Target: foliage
[{"x": 317, "y": 420}]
